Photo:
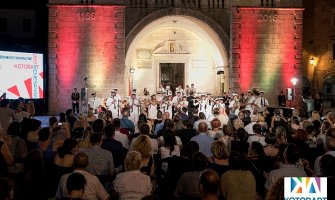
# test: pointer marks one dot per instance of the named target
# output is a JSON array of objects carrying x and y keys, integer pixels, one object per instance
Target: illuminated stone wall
[
  {"x": 266, "y": 49},
  {"x": 84, "y": 41}
]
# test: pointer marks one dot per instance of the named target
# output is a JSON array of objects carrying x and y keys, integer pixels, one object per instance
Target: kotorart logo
[{"x": 305, "y": 188}]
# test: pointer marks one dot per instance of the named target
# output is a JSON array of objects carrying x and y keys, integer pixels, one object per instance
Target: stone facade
[
  {"x": 85, "y": 41},
  {"x": 266, "y": 49},
  {"x": 92, "y": 41}
]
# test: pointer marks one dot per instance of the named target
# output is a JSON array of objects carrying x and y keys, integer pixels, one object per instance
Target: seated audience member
[
  {"x": 238, "y": 182},
  {"x": 209, "y": 185},
  {"x": 100, "y": 161},
  {"x": 186, "y": 133},
  {"x": 79, "y": 126},
  {"x": 219, "y": 161},
  {"x": 204, "y": 141},
  {"x": 187, "y": 186},
  {"x": 75, "y": 186},
  {"x": 33, "y": 127},
  {"x": 288, "y": 168},
  {"x": 84, "y": 142},
  {"x": 126, "y": 123},
  {"x": 114, "y": 146},
  {"x": 327, "y": 165},
  {"x": 240, "y": 144},
  {"x": 170, "y": 147},
  {"x": 257, "y": 137},
  {"x": 132, "y": 184},
  {"x": 215, "y": 133},
  {"x": 202, "y": 118},
  {"x": 276, "y": 192},
  {"x": 65, "y": 154},
  {"x": 35, "y": 182},
  {"x": 123, "y": 138},
  {"x": 143, "y": 145},
  {"x": 270, "y": 149},
  {"x": 93, "y": 189},
  {"x": 145, "y": 130},
  {"x": 330, "y": 150},
  {"x": 281, "y": 136},
  {"x": 6, "y": 158},
  {"x": 6, "y": 189},
  {"x": 249, "y": 127},
  {"x": 90, "y": 116}
]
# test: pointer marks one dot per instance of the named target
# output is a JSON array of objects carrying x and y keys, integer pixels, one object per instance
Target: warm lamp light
[{"x": 312, "y": 61}]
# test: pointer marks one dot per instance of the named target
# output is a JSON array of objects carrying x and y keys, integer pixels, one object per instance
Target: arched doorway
[
  {"x": 328, "y": 91},
  {"x": 177, "y": 50}
]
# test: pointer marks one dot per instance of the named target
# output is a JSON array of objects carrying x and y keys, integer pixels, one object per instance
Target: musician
[
  {"x": 94, "y": 102},
  {"x": 261, "y": 102},
  {"x": 113, "y": 104},
  {"x": 167, "y": 105},
  {"x": 161, "y": 89},
  {"x": 175, "y": 101},
  {"x": 192, "y": 89},
  {"x": 191, "y": 103},
  {"x": 234, "y": 105},
  {"x": 183, "y": 103},
  {"x": 203, "y": 104},
  {"x": 75, "y": 100},
  {"x": 251, "y": 100},
  {"x": 152, "y": 109},
  {"x": 134, "y": 107},
  {"x": 209, "y": 105},
  {"x": 187, "y": 91},
  {"x": 116, "y": 94},
  {"x": 179, "y": 89}
]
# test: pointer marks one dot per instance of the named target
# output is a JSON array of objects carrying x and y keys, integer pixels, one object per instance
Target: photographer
[{"x": 278, "y": 119}]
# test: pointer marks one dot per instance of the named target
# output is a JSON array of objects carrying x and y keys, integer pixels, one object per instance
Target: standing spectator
[
  {"x": 281, "y": 99},
  {"x": 310, "y": 104},
  {"x": 75, "y": 100},
  {"x": 318, "y": 103},
  {"x": 132, "y": 184},
  {"x": 6, "y": 115}
]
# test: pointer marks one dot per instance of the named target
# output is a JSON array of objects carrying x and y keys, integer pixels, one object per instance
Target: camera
[{"x": 276, "y": 112}]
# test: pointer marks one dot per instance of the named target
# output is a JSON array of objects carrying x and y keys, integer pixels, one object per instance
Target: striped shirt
[{"x": 100, "y": 161}]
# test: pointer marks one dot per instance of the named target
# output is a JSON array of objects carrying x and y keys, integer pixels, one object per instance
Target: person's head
[
  {"x": 80, "y": 160},
  {"x": 257, "y": 148},
  {"x": 315, "y": 115},
  {"x": 202, "y": 127},
  {"x": 209, "y": 183},
  {"x": 68, "y": 147},
  {"x": 75, "y": 185},
  {"x": 222, "y": 111},
  {"x": 190, "y": 148},
  {"x": 98, "y": 126},
  {"x": 291, "y": 154},
  {"x": 241, "y": 135},
  {"x": 144, "y": 129},
  {"x": 281, "y": 137},
  {"x": 327, "y": 165},
  {"x": 133, "y": 161},
  {"x": 109, "y": 131},
  {"x": 169, "y": 141},
  {"x": 257, "y": 129},
  {"x": 300, "y": 135},
  {"x": 4, "y": 103},
  {"x": 254, "y": 118},
  {"x": 237, "y": 161},
  {"x": 75, "y": 89},
  {"x": 199, "y": 161},
  {"x": 44, "y": 134},
  {"x": 34, "y": 161},
  {"x": 295, "y": 112},
  {"x": 95, "y": 139},
  {"x": 53, "y": 122},
  {"x": 14, "y": 129},
  {"x": 125, "y": 113},
  {"x": 215, "y": 123},
  {"x": 143, "y": 145},
  {"x": 261, "y": 94},
  {"x": 330, "y": 140},
  {"x": 219, "y": 150},
  {"x": 35, "y": 125},
  {"x": 187, "y": 124},
  {"x": 270, "y": 138},
  {"x": 69, "y": 112},
  {"x": 168, "y": 124}
]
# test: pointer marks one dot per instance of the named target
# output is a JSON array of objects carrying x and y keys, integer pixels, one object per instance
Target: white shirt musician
[
  {"x": 94, "y": 102},
  {"x": 261, "y": 101},
  {"x": 134, "y": 107},
  {"x": 209, "y": 106},
  {"x": 250, "y": 103},
  {"x": 113, "y": 104},
  {"x": 192, "y": 89},
  {"x": 203, "y": 104},
  {"x": 234, "y": 105}
]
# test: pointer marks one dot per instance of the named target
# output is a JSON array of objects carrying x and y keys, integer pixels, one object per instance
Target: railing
[{"x": 175, "y": 3}]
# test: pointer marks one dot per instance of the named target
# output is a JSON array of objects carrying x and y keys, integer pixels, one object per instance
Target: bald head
[
  {"x": 209, "y": 182},
  {"x": 202, "y": 127}
]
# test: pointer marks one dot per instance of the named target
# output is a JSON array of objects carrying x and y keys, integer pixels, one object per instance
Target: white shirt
[
  {"x": 248, "y": 128},
  {"x": 93, "y": 188},
  {"x": 122, "y": 138},
  {"x": 94, "y": 102},
  {"x": 261, "y": 100},
  {"x": 165, "y": 152},
  {"x": 256, "y": 138}
]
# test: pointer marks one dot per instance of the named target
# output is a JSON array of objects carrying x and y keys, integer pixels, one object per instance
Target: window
[
  {"x": 26, "y": 25},
  {"x": 3, "y": 25}
]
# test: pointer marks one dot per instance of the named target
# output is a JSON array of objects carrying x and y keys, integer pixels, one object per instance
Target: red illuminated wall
[
  {"x": 266, "y": 49},
  {"x": 84, "y": 41}
]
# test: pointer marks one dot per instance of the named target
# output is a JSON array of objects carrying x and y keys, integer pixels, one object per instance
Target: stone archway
[{"x": 190, "y": 25}]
